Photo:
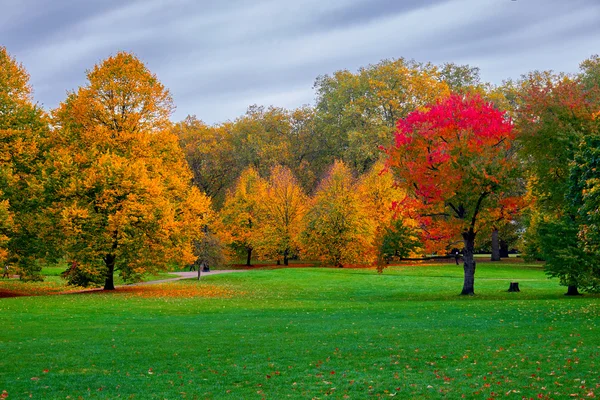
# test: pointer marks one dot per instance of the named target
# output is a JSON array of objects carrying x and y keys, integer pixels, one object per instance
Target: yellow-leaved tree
[
  {"x": 240, "y": 213},
  {"x": 393, "y": 236},
  {"x": 23, "y": 132},
  {"x": 337, "y": 229},
  {"x": 123, "y": 199},
  {"x": 281, "y": 207}
]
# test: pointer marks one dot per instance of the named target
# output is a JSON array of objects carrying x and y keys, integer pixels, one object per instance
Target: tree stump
[{"x": 514, "y": 287}]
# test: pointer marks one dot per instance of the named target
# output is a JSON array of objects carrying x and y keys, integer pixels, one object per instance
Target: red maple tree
[{"x": 456, "y": 162}]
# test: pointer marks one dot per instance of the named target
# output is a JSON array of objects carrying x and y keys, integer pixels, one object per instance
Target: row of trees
[
  {"x": 346, "y": 221},
  {"x": 355, "y": 114},
  {"x": 396, "y": 152},
  {"x": 512, "y": 172}
]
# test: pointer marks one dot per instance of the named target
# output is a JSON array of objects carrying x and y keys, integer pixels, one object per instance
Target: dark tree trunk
[
  {"x": 503, "y": 249},
  {"x": 514, "y": 287},
  {"x": 286, "y": 261},
  {"x": 469, "y": 263},
  {"x": 572, "y": 291},
  {"x": 278, "y": 261},
  {"x": 495, "y": 246},
  {"x": 249, "y": 257},
  {"x": 109, "y": 283}
]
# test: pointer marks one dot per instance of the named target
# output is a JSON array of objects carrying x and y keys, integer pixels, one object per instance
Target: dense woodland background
[{"x": 397, "y": 159}]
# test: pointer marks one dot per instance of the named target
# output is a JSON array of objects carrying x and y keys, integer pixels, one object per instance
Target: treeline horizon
[{"x": 396, "y": 158}]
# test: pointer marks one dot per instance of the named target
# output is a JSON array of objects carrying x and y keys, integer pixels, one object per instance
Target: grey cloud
[
  {"x": 39, "y": 22},
  {"x": 219, "y": 57},
  {"x": 370, "y": 10}
]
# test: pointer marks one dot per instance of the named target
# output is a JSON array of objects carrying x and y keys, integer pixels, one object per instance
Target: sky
[{"x": 219, "y": 57}]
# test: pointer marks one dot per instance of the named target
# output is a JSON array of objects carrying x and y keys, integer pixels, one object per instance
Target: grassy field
[
  {"x": 54, "y": 284},
  {"x": 308, "y": 333}
]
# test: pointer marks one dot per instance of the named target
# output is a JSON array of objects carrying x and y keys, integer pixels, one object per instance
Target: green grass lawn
[
  {"x": 54, "y": 284},
  {"x": 309, "y": 333},
  {"x": 56, "y": 271}
]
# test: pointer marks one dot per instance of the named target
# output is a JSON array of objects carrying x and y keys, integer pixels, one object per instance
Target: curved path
[{"x": 188, "y": 275}]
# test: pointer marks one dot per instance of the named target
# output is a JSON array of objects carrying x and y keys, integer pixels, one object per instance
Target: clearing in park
[{"x": 307, "y": 333}]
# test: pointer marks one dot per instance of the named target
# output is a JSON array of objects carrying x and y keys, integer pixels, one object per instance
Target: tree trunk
[
  {"x": 469, "y": 263},
  {"x": 514, "y": 287},
  {"x": 495, "y": 246},
  {"x": 572, "y": 291},
  {"x": 249, "y": 257},
  {"x": 109, "y": 283},
  {"x": 285, "y": 258}
]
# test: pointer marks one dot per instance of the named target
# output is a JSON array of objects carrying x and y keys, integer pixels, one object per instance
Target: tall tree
[
  {"x": 281, "y": 208},
  {"x": 240, "y": 213},
  {"x": 337, "y": 230},
  {"x": 585, "y": 170},
  {"x": 456, "y": 162},
  {"x": 556, "y": 125},
  {"x": 585, "y": 189},
  {"x": 309, "y": 156},
  {"x": 123, "y": 195},
  {"x": 260, "y": 138},
  {"x": 575, "y": 259},
  {"x": 210, "y": 153},
  {"x": 23, "y": 135},
  {"x": 554, "y": 114},
  {"x": 357, "y": 112},
  {"x": 462, "y": 78}
]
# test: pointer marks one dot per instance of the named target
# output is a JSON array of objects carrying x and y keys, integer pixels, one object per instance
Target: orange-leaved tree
[
  {"x": 337, "y": 229},
  {"x": 122, "y": 190},
  {"x": 281, "y": 209},
  {"x": 456, "y": 162}
]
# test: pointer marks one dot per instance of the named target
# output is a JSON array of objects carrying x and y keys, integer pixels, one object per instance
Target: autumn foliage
[
  {"x": 455, "y": 160},
  {"x": 240, "y": 213},
  {"x": 282, "y": 206},
  {"x": 121, "y": 187},
  {"x": 559, "y": 142},
  {"x": 108, "y": 183},
  {"x": 337, "y": 229},
  {"x": 23, "y": 134}
]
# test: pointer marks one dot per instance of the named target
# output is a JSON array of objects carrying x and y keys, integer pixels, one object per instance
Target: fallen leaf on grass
[{"x": 167, "y": 290}]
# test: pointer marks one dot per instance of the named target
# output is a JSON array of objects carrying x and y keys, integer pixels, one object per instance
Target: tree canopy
[
  {"x": 122, "y": 190},
  {"x": 23, "y": 136},
  {"x": 455, "y": 160}
]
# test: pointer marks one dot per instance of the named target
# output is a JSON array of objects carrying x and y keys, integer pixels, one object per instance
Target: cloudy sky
[{"x": 219, "y": 57}]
